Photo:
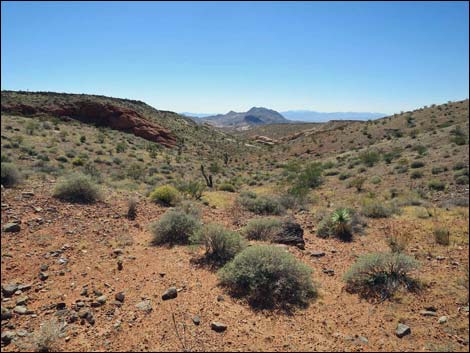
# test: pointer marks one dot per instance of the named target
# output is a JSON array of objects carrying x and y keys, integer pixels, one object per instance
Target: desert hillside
[{"x": 129, "y": 228}]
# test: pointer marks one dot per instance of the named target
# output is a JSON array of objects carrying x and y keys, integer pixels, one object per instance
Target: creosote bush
[
  {"x": 165, "y": 195},
  {"x": 380, "y": 275},
  {"x": 260, "y": 204},
  {"x": 268, "y": 277},
  {"x": 10, "y": 176},
  {"x": 227, "y": 187},
  {"x": 220, "y": 243},
  {"x": 378, "y": 209},
  {"x": 262, "y": 228},
  {"x": 442, "y": 236},
  {"x": 174, "y": 227},
  {"x": 77, "y": 188}
]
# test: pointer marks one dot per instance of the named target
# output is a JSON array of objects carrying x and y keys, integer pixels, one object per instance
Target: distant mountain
[
  {"x": 254, "y": 116},
  {"x": 196, "y": 115},
  {"x": 314, "y": 116}
]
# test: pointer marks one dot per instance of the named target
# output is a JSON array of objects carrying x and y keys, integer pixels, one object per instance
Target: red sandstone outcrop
[{"x": 100, "y": 114}]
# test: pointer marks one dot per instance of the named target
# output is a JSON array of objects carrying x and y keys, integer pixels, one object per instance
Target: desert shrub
[
  {"x": 375, "y": 180},
  {"x": 294, "y": 199},
  {"x": 77, "y": 188},
  {"x": 417, "y": 164},
  {"x": 261, "y": 204},
  {"x": 78, "y": 161},
  {"x": 397, "y": 242},
  {"x": 342, "y": 223},
  {"x": 174, "y": 227},
  {"x": 189, "y": 208},
  {"x": 132, "y": 208},
  {"x": 461, "y": 179},
  {"x": 310, "y": 177},
  {"x": 441, "y": 236},
  {"x": 344, "y": 176},
  {"x": 437, "y": 185},
  {"x": 166, "y": 195},
  {"x": 47, "y": 337},
  {"x": 420, "y": 149},
  {"x": 10, "y": 176},
  {"x": 192, "y": 188},
  {"x": 136, "y": 171},
  {"x": 331, "y": 172},
  {"x": 459, "y": 166},
  {"x": 416, "y": 174},
  {"x": 438, "y": 170},
  {"x": 227, "y": 187},
  {"x": 357, "y": 183},
  {"x": 221, "y": 244},
  {"x": 381, "y": 274},
  {"x": 268, "y": 277},
  {"x": 378, "y": 209},
  {"x": 370, "y": 157},
  {"x": 262, "y": 228}
]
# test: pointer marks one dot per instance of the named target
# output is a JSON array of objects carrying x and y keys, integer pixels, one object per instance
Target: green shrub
[
  {"x": 221, "y": 244},
  {"x": 375, "y": 180},
  {"x": 77, "y": 188},
  {"x": 344, "y": 176},
  {"x": 262, "y": 228},
  {"x": 261, "y": 204},
  {"x": 377, "y": 209},
  {"x": 78, "y": 161},
  {"x": 268, "y": 277},
  {"x": 310, "y": 177},
  {"x": 459, "y": 166},
  {"x": 174, "y": 227},
  {"x": 166, "y": 195},
  {"x": 370, "y": 157},
  {"x": 227, "y": 187},
  {"x": 442, "y": 236},
  {"x": 437, "y": 185},
  {"x": 461, "y": 179},
  {"x": 10, "y": 175},
  {"x": 381, "y": 274}
]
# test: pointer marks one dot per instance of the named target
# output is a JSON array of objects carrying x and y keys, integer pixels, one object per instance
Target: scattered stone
[
  {"x": 43, "y": 276},
  {"x": 363, "y": 339},
  {"x": 196, "y": 320},
  {"x": 220, "y": 298},
  {"x": 145, "y": 305},
  {"x": 317, "y": 254},
  {"x": 11, "y": 228},
  {"x": 428, "y": 313},
  {"x": 7, "y": 336},
  {"x": 6, "y": 314},
  {"x": 119, "y": 264},
  {"x": 402, "y": 330},
  {"x": 119, "y": 297},
  {"x": 442, "y": 320},
  {"x": 27, "y": 193},
  {"x": 329, "y": 271},
  {"x": 22, "y": 300},
  {"x": 102, "y": 299},
  {"x": 60, "y": 306},
  {"x": 24, "y": 287},
  {"x": 290, "y": 233},
  {"x": 97, "y": 292},
  {"x": 84, "y": 292},
  {"x": 440, "y": 258},
  {"x": 171, "y": 293},
  {"x": 9, "y": 289},
  {"x": 21, "y": 310},
  {"x": 87, "y": 315},
  {"x": 44, "y": 267},
  {"x": 21, "y": 333},
  {"x": 218, "y": 326},
  {"x": 118, "y": 252}
]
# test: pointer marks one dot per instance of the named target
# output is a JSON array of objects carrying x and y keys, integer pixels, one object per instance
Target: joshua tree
[{"x": 207, "y": 178}]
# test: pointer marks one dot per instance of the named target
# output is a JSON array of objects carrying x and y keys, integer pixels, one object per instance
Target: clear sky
[{"x": 214, "y": 57}]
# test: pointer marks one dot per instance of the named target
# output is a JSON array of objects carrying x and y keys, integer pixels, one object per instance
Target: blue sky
[{"x": 215, "y": 57}]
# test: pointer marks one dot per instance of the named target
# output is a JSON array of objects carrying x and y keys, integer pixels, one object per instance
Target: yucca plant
[{"x": 341, "y": 223}]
